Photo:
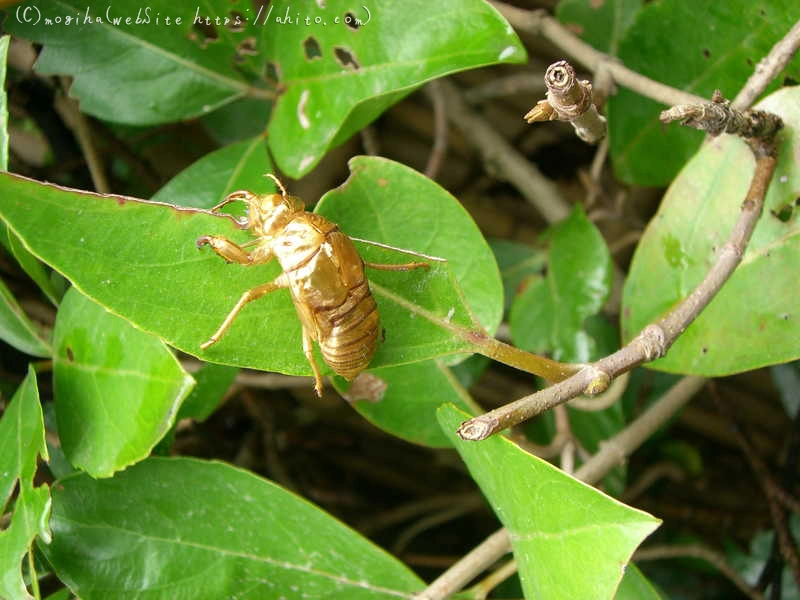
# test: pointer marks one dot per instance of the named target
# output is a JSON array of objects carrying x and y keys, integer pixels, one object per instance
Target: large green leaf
[
  {"x": 697, "y": 50},
  {"x": 550, "y": 314},
  {"x": 359, "y": 71},
  {"x": 518, "y": 263},
  {"x": 332, "y": 76},
  {"x": 555, "y": 522},
  {"x": 21, "y": 443},
  {"x": 139, "y": 260},
  {"x": 184, "y": 528},
  {"x": 754, "y": 320},
  {"x": 117, "y": 388}
]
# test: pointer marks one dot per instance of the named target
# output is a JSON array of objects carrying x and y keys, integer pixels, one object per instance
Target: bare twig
[
  {"x": 718, "y": 116},
  {"x": 768, "y": 68},
  {"x": 569, "y": 99},
  {"x": 707, "y": 554},
  {"x": 538, "y": 22},
  {"x": 439, "y": 150},
  {"x": 655, "y": 339},
  {"x": 465, "y": 570},
  {"x": 482, "y": 589},
  {"x": 507, "y": 162},
  {"x": 786, "y": 542},
  {"x": 616, "y": 449},
  {"x": 605, "y": 399},
  {"x": 518, "y": 83}
]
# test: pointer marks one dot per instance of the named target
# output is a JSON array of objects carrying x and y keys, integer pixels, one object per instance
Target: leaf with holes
[
  {"x": 139, "y": 260},
  {"x": 555, "y": 522},
  {"x": 117, "y": 388},
  {"x": 754, "y": 320},
  {"x": 354, "y": 61},
  {"x": 166, "y": 512},
  {"x": 644, "y": 151},
  {"x": 130, "y": 66},
  {"x": 332, "y": 67}
]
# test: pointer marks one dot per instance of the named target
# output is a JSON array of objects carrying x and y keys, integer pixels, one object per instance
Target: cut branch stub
[{"x": 569, "y": 99}]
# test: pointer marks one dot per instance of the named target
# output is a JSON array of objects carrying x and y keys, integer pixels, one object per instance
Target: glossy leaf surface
[
  {"x": 754, "y": 320},
  {"x": 157, "y": 527},
  {"x": 555, "y": 521},
  {"x": 549, "y": 315},
  {"x": 117, "y": 388}
]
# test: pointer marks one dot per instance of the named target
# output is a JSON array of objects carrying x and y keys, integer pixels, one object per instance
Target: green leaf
[
  {"x": 549, "y": 315},
  {"x": 16, "y": 329},
  {"x": 143, "y": 72},
  {"x": 240, "y": 166},
  {"x": 155, "y": 532},
  {"x": 333, "y": 78},
  {"x": 29, "y": 264},
  {"x": 670, "y": 43},
  {"x": 338, "y": 77},
  {"x": 117, "y": 388},
  {"x": 600, "y": 24},
  {"x": 21, "y": 443},
  {"x": 403, "y": 400},
  {"x": 517, "y": 263},
  {"x": 139, "y": 260},
  {"x": 635, "y": 586},
  {"x": 569, "y": 539},
  {"x": 754, "y": 320},
  {"x": 211, "y": 384},
  {"x": 21, "y": 437},
  {"x": 387, "y": 202}
]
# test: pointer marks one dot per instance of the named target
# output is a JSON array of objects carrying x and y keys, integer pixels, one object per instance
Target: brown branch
[
  {"x": 538, "y": 22},
  {"x": 465, "y": 570},
  {"x": 768, "y": 68},
  {"x": 439, "y": 150},
  {"x": 655, "y": 339},
  {"x": 569, "y": 99},
  {"x": 786, "y": 543},
  {"x": 518, "y": 83},
  {"x": 696, "y": 551},
  {"x": 503, "y": 158},
  {"x": 719, "y": 116}
]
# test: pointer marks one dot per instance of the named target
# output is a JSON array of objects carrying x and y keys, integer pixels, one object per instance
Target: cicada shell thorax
[{"x": 330, "y": 291}]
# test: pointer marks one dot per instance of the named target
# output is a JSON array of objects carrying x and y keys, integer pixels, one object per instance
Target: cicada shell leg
[
  {"x": 308, "y": 349},
  {"x": 226, "y": 249},
  {"x": 281, "y": 281},
  {"x": 403, "y": 267}
]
